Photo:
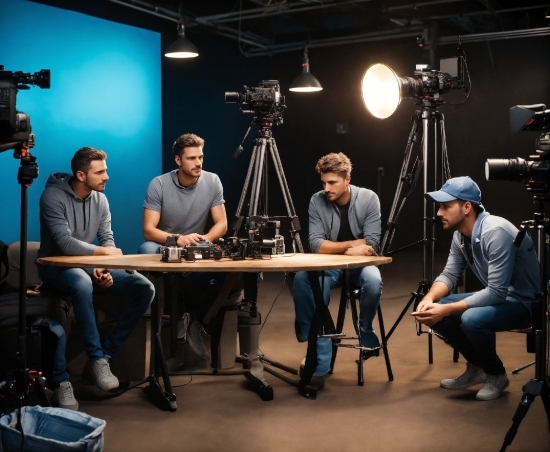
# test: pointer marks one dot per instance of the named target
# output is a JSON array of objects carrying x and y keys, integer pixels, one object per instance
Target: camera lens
[
  {"x": 505, "y": 169},
  {"x": 232, "y": 97}
]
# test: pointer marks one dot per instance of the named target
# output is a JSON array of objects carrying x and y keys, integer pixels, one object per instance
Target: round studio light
[{"x": 380, "y": 90}]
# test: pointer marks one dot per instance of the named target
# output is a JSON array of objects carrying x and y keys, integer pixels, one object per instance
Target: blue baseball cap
[{"x": 463, "y": 188}]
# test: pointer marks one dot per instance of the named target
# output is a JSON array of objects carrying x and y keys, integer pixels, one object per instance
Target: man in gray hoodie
[
  {"x": 73, "y": 213},
  {"x": 343, "y": 219}
]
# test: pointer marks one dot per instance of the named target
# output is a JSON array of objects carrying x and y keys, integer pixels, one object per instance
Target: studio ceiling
[{"x": 264, "y": 27}]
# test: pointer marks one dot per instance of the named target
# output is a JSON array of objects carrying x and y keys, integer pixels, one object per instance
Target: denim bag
[{"x": 51, "y": 430}]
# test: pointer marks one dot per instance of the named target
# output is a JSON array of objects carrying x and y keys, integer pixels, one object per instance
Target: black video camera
[
  {"x": 190, "y": 253},
  {"x": 536, "y": 172},
  {"x": 429, "y": 83},
  {"x": 15, "y": 126},
  {"x": 255, "y": 246},
  {"x": 265, "y": 101}
]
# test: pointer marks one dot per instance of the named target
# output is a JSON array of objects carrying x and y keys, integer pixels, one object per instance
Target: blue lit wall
[{"x": 105, "y": 93}]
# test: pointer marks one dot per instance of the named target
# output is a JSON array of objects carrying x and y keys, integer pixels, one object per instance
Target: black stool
[{"x": 350, "y": 296}]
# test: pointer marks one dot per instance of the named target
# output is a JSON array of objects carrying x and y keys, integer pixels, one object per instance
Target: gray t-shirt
[{"x": 183, "y": 210}]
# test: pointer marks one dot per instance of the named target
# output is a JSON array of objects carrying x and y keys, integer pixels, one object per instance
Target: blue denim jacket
[{"x": 505, "y": 270}]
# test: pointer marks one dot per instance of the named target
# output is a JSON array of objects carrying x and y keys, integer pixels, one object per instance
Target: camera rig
[
  {"x": 536, "y": 172},
  {"x": 265, "y": 101},
  {"x": 256, "y": 246},
  {"x": 171, "y": 252},
  {"x": 428, "y": 84},
  {"x": 536, "y": 176},
  {"x": 15, "y": 126}
]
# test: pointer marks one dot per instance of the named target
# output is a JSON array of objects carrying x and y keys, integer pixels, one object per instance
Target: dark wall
[{"x": 503, "y": 73}]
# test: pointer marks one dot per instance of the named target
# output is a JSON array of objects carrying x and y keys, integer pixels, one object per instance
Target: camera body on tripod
[{"x": 191, "y": 253}]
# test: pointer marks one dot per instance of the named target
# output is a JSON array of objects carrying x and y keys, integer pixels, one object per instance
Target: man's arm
[
  {"x": 151, "y": 232},
  {"x": 219, "y": 217},
  {"x": 330, "y": 247}
]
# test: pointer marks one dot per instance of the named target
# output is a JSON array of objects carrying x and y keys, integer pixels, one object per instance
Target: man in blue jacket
[
  {"x": 73, "y": 213},
  {"x": 343, "y": 219},
  {"x": 509, "y": 273}
]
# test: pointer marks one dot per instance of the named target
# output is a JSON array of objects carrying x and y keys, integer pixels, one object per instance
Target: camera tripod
[
  {"x": 24, "y": 380},
  {"x": 540, "y": 385},
  {"x": 257, "y": 178},
  {"x": 427, "y": 116}
]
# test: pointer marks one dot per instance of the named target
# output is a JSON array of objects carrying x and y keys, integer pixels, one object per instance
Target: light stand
[
  {"x": 24, "y": 380},
  {"x": 430, "y": 118},
  {"x": 538, "y": 386}
]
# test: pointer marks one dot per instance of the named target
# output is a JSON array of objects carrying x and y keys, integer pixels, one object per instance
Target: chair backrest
[{"x": 11, "y": 284}]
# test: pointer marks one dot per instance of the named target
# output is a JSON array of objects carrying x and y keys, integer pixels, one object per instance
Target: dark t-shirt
[{"x": 344, "y": 234}]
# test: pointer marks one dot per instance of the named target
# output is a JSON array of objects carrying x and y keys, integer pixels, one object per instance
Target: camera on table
[
  {"x": 255, "y": 246},
  {"x": 536, "y": 172},
  {"x": 171, "y": 252}
]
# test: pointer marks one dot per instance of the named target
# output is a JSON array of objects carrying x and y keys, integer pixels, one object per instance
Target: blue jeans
[
  {"x": 77, "y": 282},
  {"x": 149, "y": 248},
  {"x": 473, "y": 332},
  {"x": 370, "y": 282}
]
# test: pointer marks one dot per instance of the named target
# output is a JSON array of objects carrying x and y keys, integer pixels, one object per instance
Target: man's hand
[
  {"x": 431, "y": 313},
  {"x": 189, "y": 239},
  {"x": 102, "y": 277},
  {"x": 360, "y": 250}
]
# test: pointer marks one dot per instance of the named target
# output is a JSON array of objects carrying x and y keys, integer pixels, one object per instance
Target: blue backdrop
[{"x": 105, "y": 93}]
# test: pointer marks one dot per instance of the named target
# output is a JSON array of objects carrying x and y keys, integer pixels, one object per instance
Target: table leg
[
  {"x": 320, "y": 324},
  {"x": 163, "y": 398}
]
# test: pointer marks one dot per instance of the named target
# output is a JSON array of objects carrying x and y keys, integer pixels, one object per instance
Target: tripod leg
[
  {"x": 291, "y": 211},
  {"x": 530, "y": 391},
  {"x": 251, "y": 166}
]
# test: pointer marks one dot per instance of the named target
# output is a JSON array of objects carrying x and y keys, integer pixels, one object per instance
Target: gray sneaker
[
  {"x": 183, "y": 326},
  {"x": 194, "y": 339},
  {"x": 63, "y": 396},
  {"x": 101, "y": 373},
  {"x": 474, "y": 375},
  {"x": 493, "y": 387}
]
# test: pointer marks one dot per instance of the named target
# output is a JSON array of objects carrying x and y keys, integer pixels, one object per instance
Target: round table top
[{"x": 278, "y": 263}]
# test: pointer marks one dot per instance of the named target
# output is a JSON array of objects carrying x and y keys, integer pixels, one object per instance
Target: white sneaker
[
  {"x": 493, "y": 387},
  {"x": 63, "y": 396},
  {"x": 474, "y": 375},
  {"x": 101, "y": 373}
]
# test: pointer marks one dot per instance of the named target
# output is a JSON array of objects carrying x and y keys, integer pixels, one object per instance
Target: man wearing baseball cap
[{"x": 509, "y": 273}]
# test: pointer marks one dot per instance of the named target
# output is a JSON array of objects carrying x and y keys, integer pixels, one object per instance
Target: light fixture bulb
[
  {"x": 181, "y": 47},
  {"x": 380, "y": 90},
  {"x": 305, "y": 82}
]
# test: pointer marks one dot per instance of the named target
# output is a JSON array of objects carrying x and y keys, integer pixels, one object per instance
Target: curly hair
[
  {"x": 83, "y": 158},
  {"x": 187, "y": 140},
  {"x": 334, "y": 163}
]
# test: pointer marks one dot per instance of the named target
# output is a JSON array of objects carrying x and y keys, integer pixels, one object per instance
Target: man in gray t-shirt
[{"x": 178, "y": 204}]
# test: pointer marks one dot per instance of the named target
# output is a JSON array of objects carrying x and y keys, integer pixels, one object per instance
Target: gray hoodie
[{"x": 69, "y": 224}]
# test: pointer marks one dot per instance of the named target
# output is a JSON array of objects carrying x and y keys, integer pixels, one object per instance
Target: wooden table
[{"x": 280, "y": 263}]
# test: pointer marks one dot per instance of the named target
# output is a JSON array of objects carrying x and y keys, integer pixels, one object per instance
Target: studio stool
[{"x": 349, "y": 298}]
